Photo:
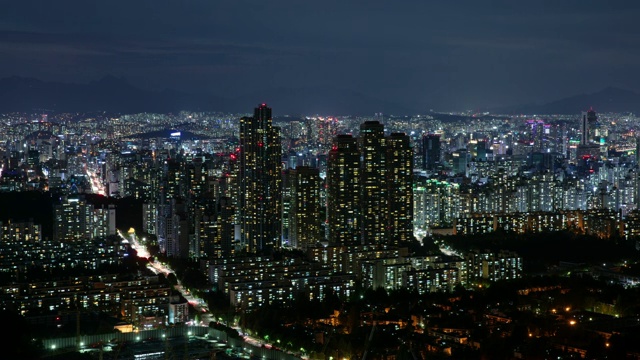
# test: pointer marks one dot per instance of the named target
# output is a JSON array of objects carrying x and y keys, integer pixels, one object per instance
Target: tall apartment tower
[
  {"x": 224, "y": 223},
  {"x": 286, "y": 206},
  {"x": 584, "y": 129},
  {"x": 72, "y": 219},
  {"x": 343, "y": 191},
  {"x": 374, "y": 207},
  {"x": 588, "y": 123},
  {"x": 430, "y": 151},
  {"x": 399, "y": 188},
  {"x": 370, "y": 188},
  {"x": 588, "y": 147},
  {"x": 304, "y": 214},
  {"x": 78, "y": 219},
  {"x": 592, "y": 119},
  {"x": 460, "y": 162},
  {"x": 260, "y": 182}
]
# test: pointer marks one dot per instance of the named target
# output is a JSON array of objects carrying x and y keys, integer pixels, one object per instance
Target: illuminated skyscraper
[
  {"x": 343, "y": 191},
  {"x": 538, "y": 134},
  {"x": 374, "y": 207},
  {"x": 588, "y": 148},
  {"x": 399, "y": 188},
  {"x": 70, "y": 219},
  {"x": 78, "y": 219},
  {"x": 304, "y": 216},
  {"x": 224, "y": 223},
  {"x": 592, "y": 119},
  {"x": 370, "y": 188},
  {"x": 430, "y": 151},
  {"x": 260, "y": 178},
  {"x": 174, "y": 179},
  {"x": 460, "y": 162},
  {"x": 286, "y": 206},
  {"x": 588, "y": 122}
]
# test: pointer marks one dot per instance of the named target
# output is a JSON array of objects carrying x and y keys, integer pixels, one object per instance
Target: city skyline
[
  {"x": 287, "y": 180},
  {"x": 159, "y": 221}
]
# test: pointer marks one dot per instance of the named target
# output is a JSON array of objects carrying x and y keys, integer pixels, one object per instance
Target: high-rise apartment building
[
  {"x": 343, "y": 191},
  {"x": 224, "y": 228},
  {"x": 174, "y": 179},
  {"x": 588, "y": 122},
  {"x": 430, "y": 151},
  {"x": 173, "y": 230},
  {"x": 538, "y": 134},
  {"x": 260, "y": 182},
  {"x": 374, "y": 207},
  {"x": 286, "y": 206},
  {"x": 304, "y": 215},
  {"x": 77, "y": 219},
  {"x": 588, "y": 148},
  {"x": 370, "y": 188},
  {"x": 399, "y": 184},
  {"x": 460, "y": 162},
  {"x": 71, "y": 219}
]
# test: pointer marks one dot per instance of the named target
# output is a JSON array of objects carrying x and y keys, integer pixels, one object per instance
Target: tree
[
  {"x": 18, "y": 343},
  {"x": 172, "y": 279}
]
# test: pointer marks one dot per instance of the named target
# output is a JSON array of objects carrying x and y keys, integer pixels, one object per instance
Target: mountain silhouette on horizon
[
  {"x": 117, "y": 95},
  {"x": 610, "y": 99},
  {"x": 109, "y": 94}
]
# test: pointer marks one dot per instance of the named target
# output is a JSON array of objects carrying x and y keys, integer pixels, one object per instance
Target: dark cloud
[{"x": 437, "y": 54}]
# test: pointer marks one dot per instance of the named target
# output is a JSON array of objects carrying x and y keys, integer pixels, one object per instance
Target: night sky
[{"x": 447, "y": 55}]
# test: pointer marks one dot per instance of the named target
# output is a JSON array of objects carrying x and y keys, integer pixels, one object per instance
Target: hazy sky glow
[{"x": 438, "y": 54}]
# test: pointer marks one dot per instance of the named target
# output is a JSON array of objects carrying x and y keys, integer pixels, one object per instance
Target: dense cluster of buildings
[
  {"x": 142, "y": 303},
  {"x": 350, "y": 193},
  {"x": 256, "y": 280}
]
